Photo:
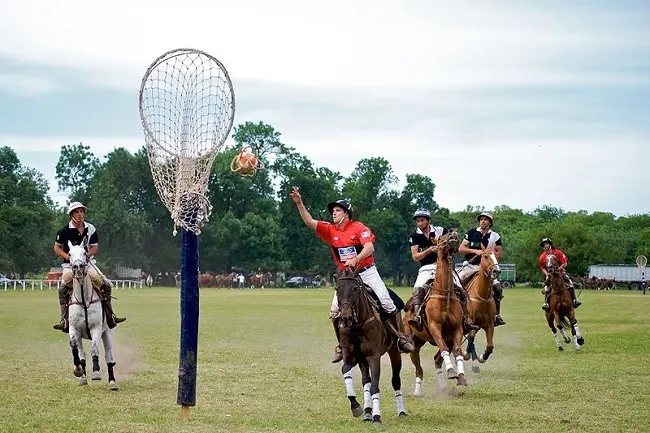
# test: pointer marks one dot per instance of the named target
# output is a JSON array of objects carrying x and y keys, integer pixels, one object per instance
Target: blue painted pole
[{"x": 189, "y": 319}]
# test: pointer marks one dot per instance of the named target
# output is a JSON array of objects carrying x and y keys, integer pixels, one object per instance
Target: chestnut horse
[
  {"x": 443, "y": 319},
  {"x": 364, "y": 338},
  {"x": 561, "y": 306},
  {"x": 481, "y": 306}
]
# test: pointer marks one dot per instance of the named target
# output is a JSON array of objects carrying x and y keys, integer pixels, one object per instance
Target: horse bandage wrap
[{"x": 187, "y": 108}]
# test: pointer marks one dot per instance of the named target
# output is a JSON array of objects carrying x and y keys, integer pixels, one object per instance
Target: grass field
[{"x": 264, "y": 366}]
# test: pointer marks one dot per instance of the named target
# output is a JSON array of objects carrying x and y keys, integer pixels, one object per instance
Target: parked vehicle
[
  {"x": 296, "y": 282},
  {"x": 624, "y": 276}
]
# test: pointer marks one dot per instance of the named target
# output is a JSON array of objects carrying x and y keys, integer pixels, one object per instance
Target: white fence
[{"x": 49, "y": 285}]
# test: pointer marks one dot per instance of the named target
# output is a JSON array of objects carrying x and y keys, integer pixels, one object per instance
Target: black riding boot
[
  {"x": 338, "y": 353},
  {"x": 404, "y": 343},
  {"x": 416, "y": 319},
  {"x": 63, "y": 325},
  {"x": 468, "y": 324},
  {"x": 498, "y": 296},
  {"x": 576, "y": 301},
  {"x": 111, "y": 319},
  {"x": 64, "y": 301},
  {"x": 547, "y": 295}
]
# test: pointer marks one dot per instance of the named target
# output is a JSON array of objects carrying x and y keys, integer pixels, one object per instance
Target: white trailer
[{"x": 629, "y": 274}]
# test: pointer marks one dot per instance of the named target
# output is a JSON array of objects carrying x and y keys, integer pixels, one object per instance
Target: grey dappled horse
[{"x": 87, "y": 320}]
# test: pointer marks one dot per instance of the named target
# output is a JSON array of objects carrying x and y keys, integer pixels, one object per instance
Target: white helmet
[{"x": 76, "y": 205}]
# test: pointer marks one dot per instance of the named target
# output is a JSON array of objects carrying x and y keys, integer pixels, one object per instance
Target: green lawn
[{"x": 264, "y": 365}]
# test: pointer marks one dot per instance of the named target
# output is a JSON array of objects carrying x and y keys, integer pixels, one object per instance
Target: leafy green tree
[{"x": 74, "y": 171}]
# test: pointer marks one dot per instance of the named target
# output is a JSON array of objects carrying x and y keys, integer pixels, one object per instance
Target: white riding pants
[
  {"x": 372, "y": 278},
  {"x": 428, "y": 272}
]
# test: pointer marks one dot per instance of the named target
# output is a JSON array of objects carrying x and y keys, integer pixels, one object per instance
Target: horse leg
[
  {"x": 355, "y": 407},
  {"x": 375, "y": 372},
  {"x": 76, "y": 361},
  {"x": 96, "y": 336},
  {"x": 78, "y": 343},
  {"x": 396, "y": 380},
  {"x": 419, "y": 372},
  {"x": 550, "y": 319},
  {"x": 458, "y": 350},
  {"x": 436, "y": 333},
  {"x": 108, "y": 355},
  {"x": 489, "y": 338},
  {"x": 367, "y": 402},
  {"x": 578, "y": 340},
  {"x": 442, "y": 384},
  {"x": 560, "y": 326}
]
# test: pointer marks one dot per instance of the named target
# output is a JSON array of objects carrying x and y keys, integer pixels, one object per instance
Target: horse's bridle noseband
[{"x": 353, "y": 299}]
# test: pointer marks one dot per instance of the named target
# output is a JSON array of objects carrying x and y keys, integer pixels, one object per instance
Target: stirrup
[
  {"x": 546, "y": 307},
  {"x": 402, "y": 343}
]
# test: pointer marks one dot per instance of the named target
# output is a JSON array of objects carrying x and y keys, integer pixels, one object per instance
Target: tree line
[{"x": 254, "y": 224}]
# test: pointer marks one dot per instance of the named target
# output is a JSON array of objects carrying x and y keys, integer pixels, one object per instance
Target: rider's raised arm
[{"x": 304, "y": 213}]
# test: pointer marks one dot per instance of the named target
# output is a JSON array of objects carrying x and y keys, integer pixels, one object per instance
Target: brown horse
[
  {"x": 481, "y": 306},
  {"x": 443, "y": 321},
  {"x": 364, "y": 338},
  {"x": 561, "y": 306}
]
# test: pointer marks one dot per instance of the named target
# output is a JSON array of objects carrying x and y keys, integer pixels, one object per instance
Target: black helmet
[
  {"x": 545, "y": 240},
  {"x": 343, "y": 204},
  {"x": 422, "y": 212}
]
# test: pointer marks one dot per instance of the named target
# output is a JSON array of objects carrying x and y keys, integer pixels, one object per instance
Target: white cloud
[
  {"x": 25, "y": 85},
  {"x": 349, "y": 43},
  {"x": 426, "y": 84}
]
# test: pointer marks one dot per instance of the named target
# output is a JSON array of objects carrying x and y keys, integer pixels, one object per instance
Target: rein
[
  {"x": 80, "y": 283},
  {"x": 359, "y": 287}
]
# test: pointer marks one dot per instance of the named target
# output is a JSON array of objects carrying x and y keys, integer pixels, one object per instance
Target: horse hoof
[
  {"x": 567, "y": 340},
  {"x": 402, "y": 414},
  {"x": 560, "y": 348},
  {"x": 357, "y": 411},
  {"x": 83, "y": 381},
  {"x": 581, "y": 341},
  {"x": 376, "y": 420},
  {"x": 466, "y": 356},
  {"x": 451, "y": 374},
  {"x": 78, "y": 372},
  {"x": 461, "y": 381},
  {"x": 417, "y": 393},
  {"x": 476, "y": 369},
  {"x": 113, "y": 386},
  {"x": 96, "y": 375},
  {"x": 367, "y": 416}
]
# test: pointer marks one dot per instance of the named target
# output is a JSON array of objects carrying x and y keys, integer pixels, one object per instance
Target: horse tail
[{"x": 565, "y": 322}]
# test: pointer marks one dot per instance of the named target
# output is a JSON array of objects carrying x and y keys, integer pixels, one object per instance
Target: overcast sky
[{"x": 522, "y": 103}]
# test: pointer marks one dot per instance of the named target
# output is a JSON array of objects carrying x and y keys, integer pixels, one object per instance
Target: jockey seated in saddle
[
  {"x": 75, "y": 231},
  {"x": 351, "y": 245},
  {"x": 472, "y": 246},
  {"x": 423, "y": 243},
  {"x": 549, "y": 249}
]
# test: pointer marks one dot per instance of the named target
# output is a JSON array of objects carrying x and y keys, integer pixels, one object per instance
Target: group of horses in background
[
  {"x": 365, "y": 337},
  {"x": 259, "y": 280}
]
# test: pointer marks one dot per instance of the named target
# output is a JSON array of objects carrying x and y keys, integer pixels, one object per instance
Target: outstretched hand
[{"x": 295, "y": 195}]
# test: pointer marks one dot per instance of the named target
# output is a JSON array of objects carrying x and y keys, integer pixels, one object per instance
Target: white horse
[{"x": 87, "y": 320}]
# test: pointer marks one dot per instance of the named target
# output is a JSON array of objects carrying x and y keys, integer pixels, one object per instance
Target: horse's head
[
  {"x": 78, "y": 258},
  {"x": 552, "y": 264},
  {"x": 489, "y": 264},
  {"x": 348, "y": 290},
  {"x": 448, "y": 244}
]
